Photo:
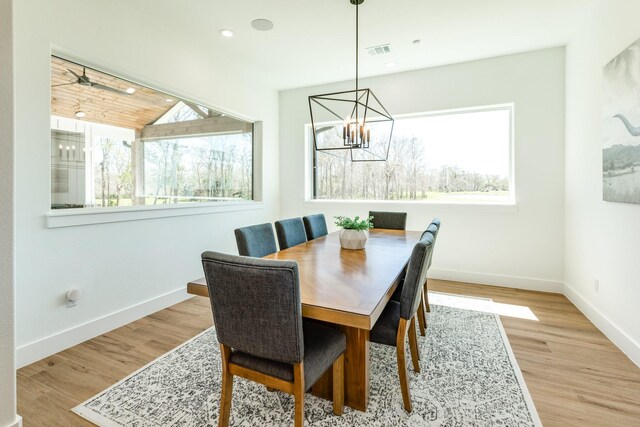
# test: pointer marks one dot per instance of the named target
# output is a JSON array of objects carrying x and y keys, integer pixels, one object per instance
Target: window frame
[
  {"x": 311, "y": 179},
  {"x": 55, "y": 218}
]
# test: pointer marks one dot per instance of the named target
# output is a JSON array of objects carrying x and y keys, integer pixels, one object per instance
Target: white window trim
[
  {"x": 89, "y": 216},
  {"x": 499, "y": 206}
]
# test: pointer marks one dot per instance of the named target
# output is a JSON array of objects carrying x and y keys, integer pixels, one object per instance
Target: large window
[
  {"x": 116, "y": 143},
  {"x": 205, "y": 167},
  {"x": 198, "y": 168},
  {"x": 462, "y": 156}
]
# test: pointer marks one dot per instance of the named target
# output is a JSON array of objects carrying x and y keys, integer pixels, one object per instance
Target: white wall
[
  {"x": 8, "y": 415},
  {"x": 118, "y": 265},
  {"x": 601, "y": 237},
  {"x": 520, "y": 247}
]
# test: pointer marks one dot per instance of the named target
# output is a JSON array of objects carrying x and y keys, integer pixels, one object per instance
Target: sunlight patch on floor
[{"x": 482, "y": 304}]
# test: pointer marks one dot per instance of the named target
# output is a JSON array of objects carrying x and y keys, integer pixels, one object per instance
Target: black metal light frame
[
  {"x": 359, "y": 98},
  {"x": 349, "y": 96}
]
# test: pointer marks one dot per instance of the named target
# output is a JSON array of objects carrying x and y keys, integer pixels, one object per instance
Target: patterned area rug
[{"x": 469, "y": 378}]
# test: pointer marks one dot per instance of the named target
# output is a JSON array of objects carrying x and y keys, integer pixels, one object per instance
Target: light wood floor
[{"x": 576, "y": 376}]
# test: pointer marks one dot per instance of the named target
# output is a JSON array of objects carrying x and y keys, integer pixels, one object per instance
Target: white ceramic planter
[{"x": 353, "y": 239}]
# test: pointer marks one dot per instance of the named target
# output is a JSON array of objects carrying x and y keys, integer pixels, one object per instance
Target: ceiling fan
[{"x": 84, "y": 80}]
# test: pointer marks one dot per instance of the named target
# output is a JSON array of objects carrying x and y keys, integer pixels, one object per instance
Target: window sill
[
  {"x": 89, "y": 216},
  {"x": 498, "y": 207}
]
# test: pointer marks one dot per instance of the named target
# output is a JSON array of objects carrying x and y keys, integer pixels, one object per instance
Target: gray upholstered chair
[
  {"x": 425, "y": 308},
  {"x": 256, "y": 240},
  {"x": 315, "y": 225},
  {"x": 389, "y": 220},
  {"x": 290, "y": 232},
  {"x": 398, "y": 318},
  {"x": 258, "y": 319},
  {"x": 433, "y": 229}
]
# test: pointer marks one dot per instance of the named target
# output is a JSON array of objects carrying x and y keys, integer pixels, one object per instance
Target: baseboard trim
[
  {"x": 624, "y": 342},
  {"x": 17, "y": 422},
  {"x": 517, "y": 282},
  {"x": 37, "y": 350},
  {"x": 618, "y": 337}
]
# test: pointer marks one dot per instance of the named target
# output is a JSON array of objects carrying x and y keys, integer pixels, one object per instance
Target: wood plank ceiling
[{"x": 133, "y": 111}]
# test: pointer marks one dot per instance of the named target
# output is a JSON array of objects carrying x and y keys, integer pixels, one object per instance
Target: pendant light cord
[{"x": 357, "y": 49}]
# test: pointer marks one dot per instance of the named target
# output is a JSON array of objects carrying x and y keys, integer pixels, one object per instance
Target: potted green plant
[{"x": 355, "y": 232}]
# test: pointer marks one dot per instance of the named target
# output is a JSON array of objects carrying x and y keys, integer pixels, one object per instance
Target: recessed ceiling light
[
  {"x": 226, "y": 33},
  {"x": 168, "y": 100},
  {"x": 80, "y": 114},
  {"x": 390, "y": 64},
  {"x": 262, "y": 24},
  {"x": 130, "y": 90}
]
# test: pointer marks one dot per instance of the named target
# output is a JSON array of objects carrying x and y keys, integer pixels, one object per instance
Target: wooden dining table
[{"x": 349, "y": 289}]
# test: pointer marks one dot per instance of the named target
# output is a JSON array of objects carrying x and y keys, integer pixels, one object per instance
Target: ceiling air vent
[{"x": 383, "y": 49}]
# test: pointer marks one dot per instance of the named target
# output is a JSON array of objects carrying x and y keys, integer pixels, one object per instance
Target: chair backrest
[
  {"x": 290, "y": 232},
  {"x": 430, "y": 229},
  {"x": 256, "y": 240},
  {"x": 256, "y": 305},
  {"x": 389, "y": 220},
  {"x": 433, "y": 228},
  {"x": 436, "y": 222},
  {"x": 315, "y": 225},
  {"x": 415, "y": 276}
]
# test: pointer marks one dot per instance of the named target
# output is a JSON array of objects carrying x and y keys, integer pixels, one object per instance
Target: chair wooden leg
[
  {"x": 298, "y": 394},
  {"x": 426, "y": 298},
  {"x": 413, "y": 345},
  {"x": 227, "y": 387},
  {"x": 338, "y": 385},
  {"x": 402, "y": 364},
  {"x": 422, "y": 318}
]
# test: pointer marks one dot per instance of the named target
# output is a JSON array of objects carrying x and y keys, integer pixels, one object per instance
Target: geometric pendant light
[{"x": 353, "y": 120}]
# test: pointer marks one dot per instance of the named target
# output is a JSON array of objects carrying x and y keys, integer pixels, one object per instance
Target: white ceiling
[{"x": 313, "y": 40}]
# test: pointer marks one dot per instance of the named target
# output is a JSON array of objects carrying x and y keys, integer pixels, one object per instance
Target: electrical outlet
[
  {"x": 596, "y": 285},
  {"x": 72, "y": 297}
]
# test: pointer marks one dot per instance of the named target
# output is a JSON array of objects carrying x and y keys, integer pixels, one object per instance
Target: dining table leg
[{"x": 356, "y": 371}]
